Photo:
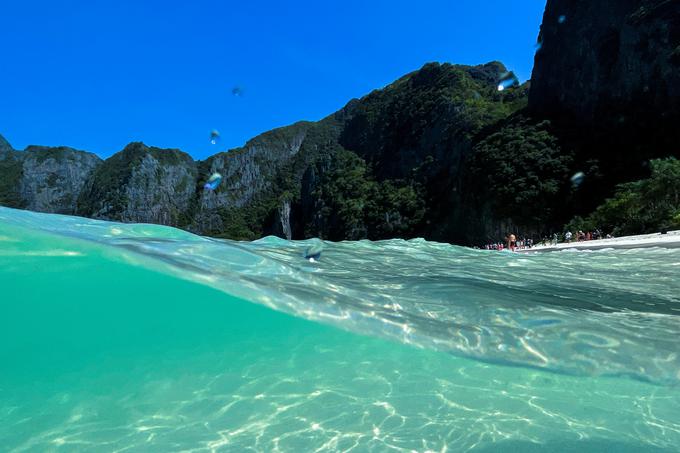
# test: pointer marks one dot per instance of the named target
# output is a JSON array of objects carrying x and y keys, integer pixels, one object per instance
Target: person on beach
[
  {"x": 512, "y": 242},
  {"x": 567, "y": 236}
]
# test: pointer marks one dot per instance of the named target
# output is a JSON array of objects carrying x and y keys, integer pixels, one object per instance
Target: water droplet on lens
[
  {"x": 577, "y": 179},
  {"x": 213, "y": 182},
  {"x": 313, "y": 253},
  {"x": 214, "y": 136},
  {"x": 237, "y": 91},
  {"x": 507, "y": 80},
  {"x": 562, "y": 19}
]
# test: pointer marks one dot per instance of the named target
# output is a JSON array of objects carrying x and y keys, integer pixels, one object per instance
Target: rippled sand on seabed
[{"x": 144, "y": 338}]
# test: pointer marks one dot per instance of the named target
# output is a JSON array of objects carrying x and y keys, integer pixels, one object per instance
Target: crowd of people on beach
[{"x": 512, "y": 243}]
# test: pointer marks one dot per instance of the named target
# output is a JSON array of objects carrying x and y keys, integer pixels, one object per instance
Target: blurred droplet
[
  {"x": 313, "y": 253},
  {"x": 237, "y": 91},
  {"x": 214, "y": 136},
  {"x": 507, "y": 80},
  {"x": 577, "y": 179},
  {"x": 213, "y": 182},
  {"x": 562, "y": 19}
]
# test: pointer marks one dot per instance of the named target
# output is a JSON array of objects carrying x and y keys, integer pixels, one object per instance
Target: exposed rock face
[
  {"x": 602, "y": 60},
  {"x": 407, "y": 140},
  {"x": 282, "y": 226},
  {"x": 5, "y": 147},
  {"x": 45, "y": 179},
  {"x": 439, "y": 153},
  {"x": 247, "y": 173},
  {"x": 53, "y": 177},
  {"x": 11, "y": 171},
  {"x": 141, "y": 184},
  {"x": 608, "y": 76}
]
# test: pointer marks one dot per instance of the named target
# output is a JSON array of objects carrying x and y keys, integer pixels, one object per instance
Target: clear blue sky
[{"x": 95, "y": 75}]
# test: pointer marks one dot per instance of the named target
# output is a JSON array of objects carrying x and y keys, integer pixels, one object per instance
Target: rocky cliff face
[
  {"x": 282, "y": 221},
  {"x": 602, "y": 61},
  {"x": 371, "y": 169},
  {"x": 52, "y": 178},
  {"x": 45, "y": 179},
  {"x": 608, "y": 77},
  {"x": 5, "y": 147},
  {"x": 141, "y": 184},
  {"x": 10, "y": 175},
  {"x": 249, "y": 175},
  {"x": 439, "y": 153}
]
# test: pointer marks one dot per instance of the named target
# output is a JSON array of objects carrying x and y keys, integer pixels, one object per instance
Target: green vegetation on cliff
[
  {"x": 521, "y": 172},
  {"x": 645, "y": 206},
  {"x": 107, "y": 193},
  {"x": 356, "y": 206},
  {"x": 440, "y": 153},
  {"x": 433, "y": 112},
  {"x": 11, "y": 169}
]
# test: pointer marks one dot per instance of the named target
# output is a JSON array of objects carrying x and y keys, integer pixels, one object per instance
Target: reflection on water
[{"x": 146, "y": 338}]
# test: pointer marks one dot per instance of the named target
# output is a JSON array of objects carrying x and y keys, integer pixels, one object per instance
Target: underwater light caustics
[
  {"x": 214, "y": 136},
  {"x": 213, "y": 182}
]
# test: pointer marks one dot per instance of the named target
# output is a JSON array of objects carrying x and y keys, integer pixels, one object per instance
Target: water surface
[{"x": 121, "y": 337}]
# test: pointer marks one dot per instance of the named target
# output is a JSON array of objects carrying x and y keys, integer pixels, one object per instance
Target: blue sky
[{"x": 96, "y": 75}]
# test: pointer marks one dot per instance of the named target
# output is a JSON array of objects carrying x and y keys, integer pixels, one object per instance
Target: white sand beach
[{"x": 668, "y": 240}]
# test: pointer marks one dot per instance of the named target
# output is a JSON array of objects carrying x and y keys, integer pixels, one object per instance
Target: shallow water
[{"x": 121, "y": 337}]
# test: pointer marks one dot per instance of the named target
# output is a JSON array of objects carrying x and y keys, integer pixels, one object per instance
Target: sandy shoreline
[{"x": 669, "y": 240}]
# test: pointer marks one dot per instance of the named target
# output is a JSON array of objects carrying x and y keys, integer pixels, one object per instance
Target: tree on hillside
[{"x": 643, "y": 206}]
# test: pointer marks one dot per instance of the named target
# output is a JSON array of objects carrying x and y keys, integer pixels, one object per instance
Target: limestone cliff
[
  {"x": 608, "y": 61},
  {"x": 52, "y": 178},
  {"x": 608, "y": 76},
  {"x": 249, "y": 181},
  {"x": 439, "y": 153},
  {"x": 11, "y": 171},
  {"x": 5, "y": 147},
  {"x": 45, "y": 179},
  {"x": 141, "y": 184},
  {"x": 373, "y": 169}
]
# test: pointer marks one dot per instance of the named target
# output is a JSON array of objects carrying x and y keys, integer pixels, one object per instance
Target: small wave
[{"x": 607, "y": 312}]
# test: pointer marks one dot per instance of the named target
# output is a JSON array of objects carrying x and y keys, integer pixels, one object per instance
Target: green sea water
[{"x": 142, "y": 338}]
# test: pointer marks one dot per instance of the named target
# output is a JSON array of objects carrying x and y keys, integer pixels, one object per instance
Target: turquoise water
[{"x": 144, "y": 338}]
